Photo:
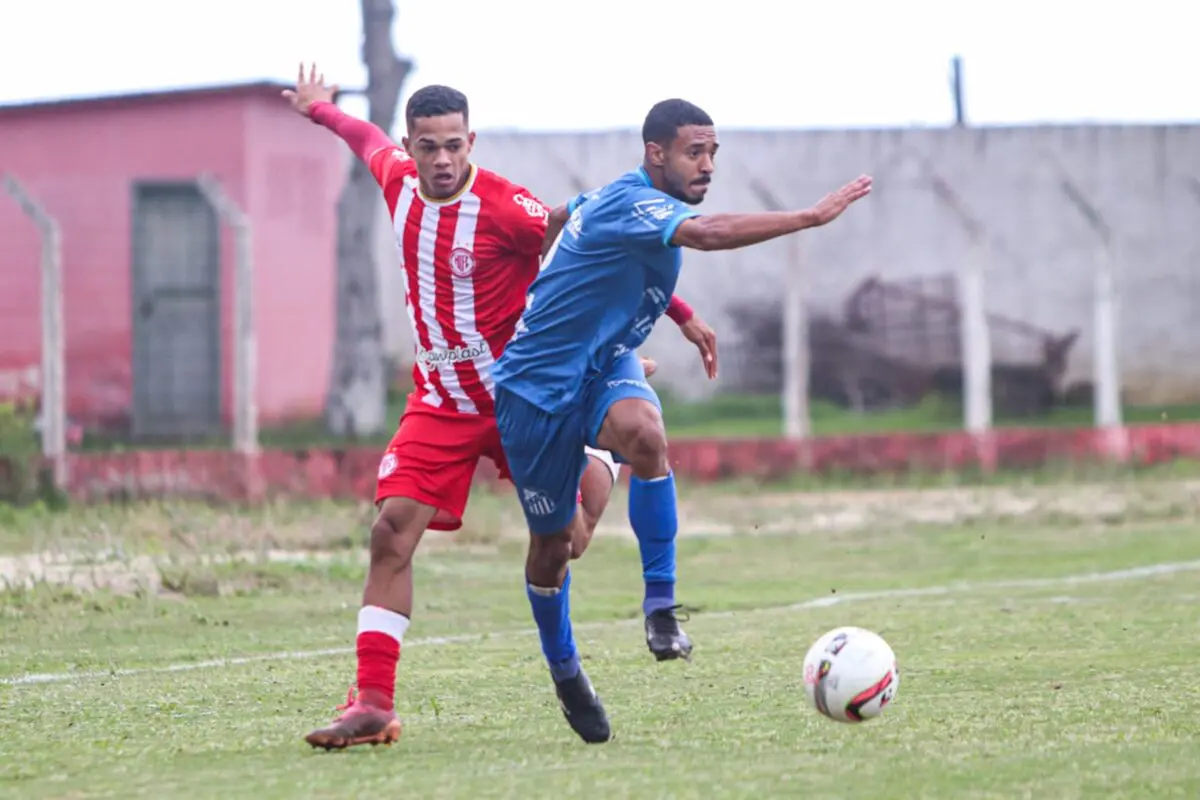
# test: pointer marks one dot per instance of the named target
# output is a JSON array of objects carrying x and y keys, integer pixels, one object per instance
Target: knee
[
  {"x": 394, "y": 536},
  {"x": 646, "y": 446},
  {"x": 634, "y": 428}
]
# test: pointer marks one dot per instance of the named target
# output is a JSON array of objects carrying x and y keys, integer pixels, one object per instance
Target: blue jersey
[{"x": 605, "y": 282}]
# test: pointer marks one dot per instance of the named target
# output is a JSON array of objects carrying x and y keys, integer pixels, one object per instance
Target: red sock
[
  {"x": 379, "y": 635},
  {"x": 378, "y": 655}
]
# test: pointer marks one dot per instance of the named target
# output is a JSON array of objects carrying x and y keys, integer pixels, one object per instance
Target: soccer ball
[{"x": 850, "y": 675}]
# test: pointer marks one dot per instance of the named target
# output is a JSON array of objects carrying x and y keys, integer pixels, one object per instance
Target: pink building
[{"x": 148, "y": 265}]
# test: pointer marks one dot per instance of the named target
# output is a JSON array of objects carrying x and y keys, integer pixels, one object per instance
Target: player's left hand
[
  {"x": 309, "y": 89},
  {"x": 649, "y": 367},
  {"x": 697, "y": 331},
  {"x": 831, "y": 206}
]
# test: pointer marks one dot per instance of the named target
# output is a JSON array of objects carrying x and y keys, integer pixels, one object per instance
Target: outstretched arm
[
  {"x": 363, "y": 138},
  {"x": 313, "y": 99},
  {"x": 731, "y": 231}
]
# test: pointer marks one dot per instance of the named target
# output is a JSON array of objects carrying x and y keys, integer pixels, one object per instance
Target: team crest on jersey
[
  {"x": 537, "y": 502},
  {"x": 388, "y": 465},
  {"x": 462, "y": 262}
]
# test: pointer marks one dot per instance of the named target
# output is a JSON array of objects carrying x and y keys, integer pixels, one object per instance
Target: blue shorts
[{"x": 545, "y": 451}]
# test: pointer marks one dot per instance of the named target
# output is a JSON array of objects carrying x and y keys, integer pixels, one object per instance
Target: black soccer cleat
[
  {"x": 583, "y": 709},
  {"x": 664, "y": 637}
]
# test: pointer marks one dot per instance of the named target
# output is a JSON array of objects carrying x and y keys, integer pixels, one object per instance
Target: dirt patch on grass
[
  {"x": 799, "y": 512},
  {"x": 165, "y": 548},
  {"x": 159, "y": 528},
  {"x": 207, "y": 575}
]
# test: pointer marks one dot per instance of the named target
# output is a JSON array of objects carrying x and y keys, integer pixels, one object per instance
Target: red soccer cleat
[{"x": 359, "y": 723}]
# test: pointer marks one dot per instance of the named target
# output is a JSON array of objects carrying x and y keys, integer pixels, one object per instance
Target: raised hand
[
  {"x": 309, "y": 89},
  {"x": 831, "y": 206}
]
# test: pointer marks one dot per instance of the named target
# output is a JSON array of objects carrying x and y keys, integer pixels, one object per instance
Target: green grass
[
  {"x": 734, "y": 416},
  {"x": 182, "y": 529},
  {"x": 1065, "y": 689},
  {"x": 737, "y": 416}
]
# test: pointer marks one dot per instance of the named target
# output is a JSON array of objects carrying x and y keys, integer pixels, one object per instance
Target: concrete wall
[{"x": 1141, "y": 178}]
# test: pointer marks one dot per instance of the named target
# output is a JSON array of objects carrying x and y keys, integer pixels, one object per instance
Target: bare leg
[
  {"x": 370, "y": 717},
  {"x": 394, "y": 538},
  {"x": 596, "y": 488}
]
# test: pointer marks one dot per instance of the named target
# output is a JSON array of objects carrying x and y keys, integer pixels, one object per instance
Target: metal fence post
[
  {"x": 245, "y": 350},
  {"x": 53, "y": 381},
  {"x": 1108, "y": 412},
  {"x": 797, "y": 423},
  {"x": 971, "y": 279},
  {"x": 975, "y": 330}
]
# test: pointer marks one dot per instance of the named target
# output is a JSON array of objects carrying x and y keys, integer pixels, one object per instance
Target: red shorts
[{"x": 432, "y": 460}]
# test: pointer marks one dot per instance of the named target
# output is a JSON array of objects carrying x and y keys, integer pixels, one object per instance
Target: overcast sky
[{"x": 602, "y": 64}]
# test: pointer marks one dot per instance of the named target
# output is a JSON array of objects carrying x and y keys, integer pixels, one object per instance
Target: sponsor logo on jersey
[
  {"x": 451, "y": 355},
  {"x": 627, "y": 382},
  {"x": 652, "y": 211},
  {"x": 532, "y": 207}
]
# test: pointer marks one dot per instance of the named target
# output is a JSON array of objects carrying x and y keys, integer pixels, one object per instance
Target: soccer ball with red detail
[{"x": 850, "y": 675}]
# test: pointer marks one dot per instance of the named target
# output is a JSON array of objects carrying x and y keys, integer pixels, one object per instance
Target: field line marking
[{"x": 1134, "y": 573}]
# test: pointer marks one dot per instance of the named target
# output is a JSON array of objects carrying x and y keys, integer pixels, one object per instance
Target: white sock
[{"x": 374, "y": 618}]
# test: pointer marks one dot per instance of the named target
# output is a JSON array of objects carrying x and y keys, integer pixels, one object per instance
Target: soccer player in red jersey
[{"x": 470, "y": 243}]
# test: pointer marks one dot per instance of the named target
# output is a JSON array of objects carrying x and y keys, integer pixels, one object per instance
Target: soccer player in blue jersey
[{"x": 570, "y": 375}]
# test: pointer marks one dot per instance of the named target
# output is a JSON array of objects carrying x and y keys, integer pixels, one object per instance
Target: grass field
[
  {"x": 738, "y": 415},
  {"x": 734, "y": 415},
  {"x": 1047, "y": 639}
]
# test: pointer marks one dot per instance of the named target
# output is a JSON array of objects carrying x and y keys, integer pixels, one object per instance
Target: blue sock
[
  {"x": 655, "y": 523},
  {"x": 552, "y": 613}
]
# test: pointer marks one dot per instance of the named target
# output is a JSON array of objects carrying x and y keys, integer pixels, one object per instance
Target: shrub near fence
[{"x": 20, "y": 453}]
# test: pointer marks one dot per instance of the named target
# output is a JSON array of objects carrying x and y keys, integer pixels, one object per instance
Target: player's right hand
[
  {"x": 309, "y": 89},
  {"x": 833, "y": 204}
]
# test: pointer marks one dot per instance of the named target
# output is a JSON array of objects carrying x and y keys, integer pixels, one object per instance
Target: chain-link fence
[
  {"x": 1029, "y": 277},
  {"x": 1033, "y": 277}
]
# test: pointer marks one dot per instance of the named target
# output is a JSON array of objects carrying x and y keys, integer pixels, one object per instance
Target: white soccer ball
[{"x": 850, "y": 675}]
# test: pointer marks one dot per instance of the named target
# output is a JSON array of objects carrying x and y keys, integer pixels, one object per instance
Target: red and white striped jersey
[{"x": 468, "y": 261}]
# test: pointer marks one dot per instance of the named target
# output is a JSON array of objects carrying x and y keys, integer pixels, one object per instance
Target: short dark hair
[
  {"x": 435, "y": 101},
  {"x": 668, "y": 116}
]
